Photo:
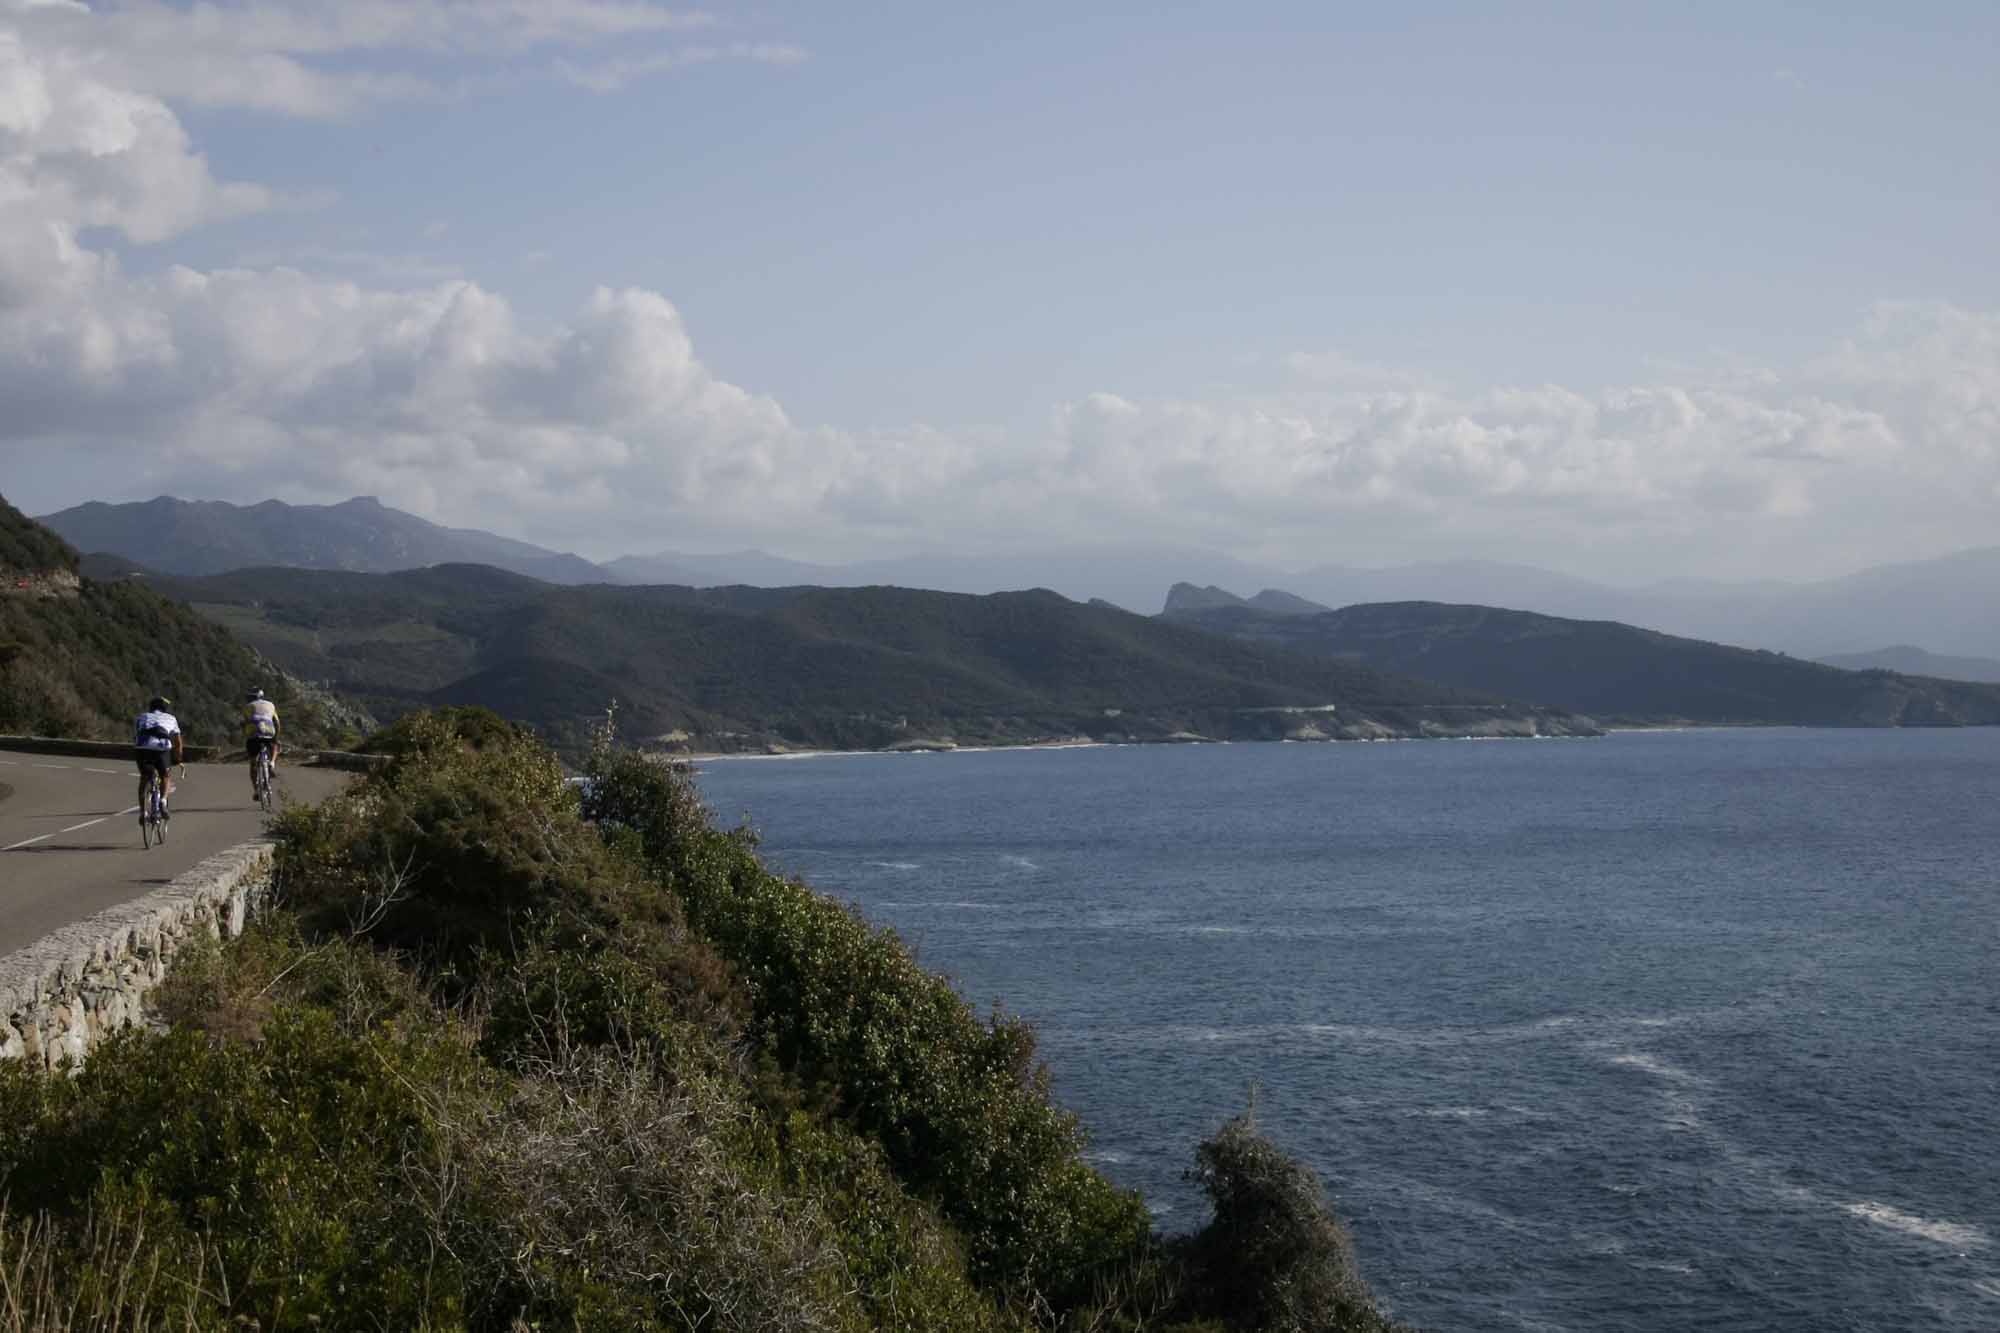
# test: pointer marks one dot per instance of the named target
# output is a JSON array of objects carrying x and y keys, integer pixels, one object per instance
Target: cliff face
[{"x": 43, "y": 584}]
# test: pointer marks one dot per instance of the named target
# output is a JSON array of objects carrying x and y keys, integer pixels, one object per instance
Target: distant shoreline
[{"x": 1163, "y": 743}]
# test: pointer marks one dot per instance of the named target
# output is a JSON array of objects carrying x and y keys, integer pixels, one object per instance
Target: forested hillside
[
  {"x": 1611, "y": 671},
  {"x": 733, "y": 668},
  {"x": 79, "y": 656}
]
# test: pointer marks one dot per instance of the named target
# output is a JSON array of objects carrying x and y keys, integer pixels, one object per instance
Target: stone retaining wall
[{"x": 65, "y": 992}]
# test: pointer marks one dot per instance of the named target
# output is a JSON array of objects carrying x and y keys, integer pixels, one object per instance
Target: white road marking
[
  {"x": 99, "y": 820},
  {"x": 30, "y": 842},
  {"x": 55, "y": 765},
  {"x": 114, "y": 772}
]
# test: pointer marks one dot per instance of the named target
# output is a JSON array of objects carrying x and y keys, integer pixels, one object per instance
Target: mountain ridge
[
  {"x": 1909, "y": 660},
  {"x": 1612, "y": 671},
  {"x": 198, "y": 537},
  {"x": 847, "y": 668},
  {"x": 1942, "y": 604}
]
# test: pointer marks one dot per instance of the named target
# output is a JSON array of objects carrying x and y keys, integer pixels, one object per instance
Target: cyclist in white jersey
[
  {"x": 156, "y": 741},
  {"x": 260, "y": 731}
]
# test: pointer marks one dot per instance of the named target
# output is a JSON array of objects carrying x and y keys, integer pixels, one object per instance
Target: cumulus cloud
[
  {"x": 608, "y": 432},
  {"x": 78, "y": 151}
]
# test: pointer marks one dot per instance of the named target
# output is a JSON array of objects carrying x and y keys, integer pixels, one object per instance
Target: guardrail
[
  {"x": 341, "y": 759},
  {"x": 89, "y": 749}
]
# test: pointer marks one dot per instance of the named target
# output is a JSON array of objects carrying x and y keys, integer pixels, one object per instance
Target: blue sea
[{"x": 1666, "y": 1030}]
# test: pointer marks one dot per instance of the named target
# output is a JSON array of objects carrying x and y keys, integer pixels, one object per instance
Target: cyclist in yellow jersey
[{"x": 260, "y": 731}]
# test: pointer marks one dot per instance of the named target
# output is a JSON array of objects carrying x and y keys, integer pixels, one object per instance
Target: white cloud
[
  {"x": 609, "y": 433},
  {"x": 611, "y": 75},
  {"x": 313, "y": 58}
]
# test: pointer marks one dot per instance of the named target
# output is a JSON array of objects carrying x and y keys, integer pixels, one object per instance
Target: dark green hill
[
  {"x": 26, "y": 547},
  {"x": 1611, "y": 671},
  {"x": 79, "y": 656},
  {"x": 848, "y": 667}
]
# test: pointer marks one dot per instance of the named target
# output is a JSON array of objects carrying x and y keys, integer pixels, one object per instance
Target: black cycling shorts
[
  {"x": 157, "y": 760},
  {"x": 256, "y": 743}
]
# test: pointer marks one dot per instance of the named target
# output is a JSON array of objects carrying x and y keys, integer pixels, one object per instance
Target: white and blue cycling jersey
[{"x": 155, "y": 731}]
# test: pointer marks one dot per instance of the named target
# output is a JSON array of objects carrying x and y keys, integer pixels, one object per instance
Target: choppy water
[{"x": 1661, "y": 1031}]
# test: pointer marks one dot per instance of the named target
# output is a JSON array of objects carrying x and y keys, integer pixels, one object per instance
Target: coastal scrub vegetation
[{"x": 503, "y": 1059}]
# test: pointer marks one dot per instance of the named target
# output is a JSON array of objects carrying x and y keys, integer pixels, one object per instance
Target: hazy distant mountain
[
  {"x": 1127, "y": 576},
  {"x": 1285, "y": 604},
  {"x": 1472, "y": 582},
  {"x": 1185, "y": 597},
  {"x": 1947, "y": 605},
  {"x": 752, "y": 568},
  {"x": 1916, "y": 662},
  {"x": 362, "y": 534},
  {"x": 1607, "y": 670}
]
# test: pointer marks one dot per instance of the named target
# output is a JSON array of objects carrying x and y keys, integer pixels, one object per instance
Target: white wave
[
  {"x": 1450, "y": 1112},
  {"x": 1657, "y": 1266},
  {"x": 935, "y": 904},
  {"x": 1215, "y": 930},
  {"x": 1988, "y": 1287},
  {"x": 1657, "y": 1067},
  {"x": 896, "y": 865},
  {"x": 1958, "y": 1235},
  {"x": 1021, "y": 861},
  {"x": 1159, "y": 1209},
  {"x": 1108, "y": 1156}
]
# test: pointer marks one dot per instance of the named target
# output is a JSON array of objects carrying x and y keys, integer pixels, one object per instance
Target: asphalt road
[{"x": 69, "y": 833}]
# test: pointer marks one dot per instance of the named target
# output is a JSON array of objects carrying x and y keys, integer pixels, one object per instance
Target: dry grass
[{"x": 106, "y": 1275}]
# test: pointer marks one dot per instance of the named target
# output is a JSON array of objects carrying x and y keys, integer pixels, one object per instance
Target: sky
[{"x": 1628, "y": 291}]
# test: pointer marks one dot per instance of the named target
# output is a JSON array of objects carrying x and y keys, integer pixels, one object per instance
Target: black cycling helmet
[{"x": 159, "y": 703}]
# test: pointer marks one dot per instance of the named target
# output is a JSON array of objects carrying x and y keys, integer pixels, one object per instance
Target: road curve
[{"x": 69, "y": 833}]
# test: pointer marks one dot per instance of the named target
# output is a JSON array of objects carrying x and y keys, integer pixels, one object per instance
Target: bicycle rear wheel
[
  {"x": 264, "y": 797},
  {"x": 146, "y": 812}
]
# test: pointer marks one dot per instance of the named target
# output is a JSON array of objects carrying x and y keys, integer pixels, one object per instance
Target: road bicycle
[
  {"x": 152, "y": 809},
  {"x": 260, "y": 778}
]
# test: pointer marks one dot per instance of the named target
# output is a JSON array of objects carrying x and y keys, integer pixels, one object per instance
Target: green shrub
[
  {"x": 471, "y": 726},
  {"x": 1273, "y": 1257},
  {"x": 960, "y": 1107}
]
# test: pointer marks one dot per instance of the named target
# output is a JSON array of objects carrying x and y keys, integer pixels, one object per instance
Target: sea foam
[{"x": 1958, "y": 1235}]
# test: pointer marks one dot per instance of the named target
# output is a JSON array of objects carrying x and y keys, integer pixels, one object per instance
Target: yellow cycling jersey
[{"x": 260, "y": 719}]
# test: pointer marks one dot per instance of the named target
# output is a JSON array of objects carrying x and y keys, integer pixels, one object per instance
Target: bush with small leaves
[{"x": 1274, "y": 1257}]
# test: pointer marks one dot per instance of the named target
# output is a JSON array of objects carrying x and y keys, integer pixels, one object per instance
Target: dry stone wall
[{"x": 66, "y": 992}]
